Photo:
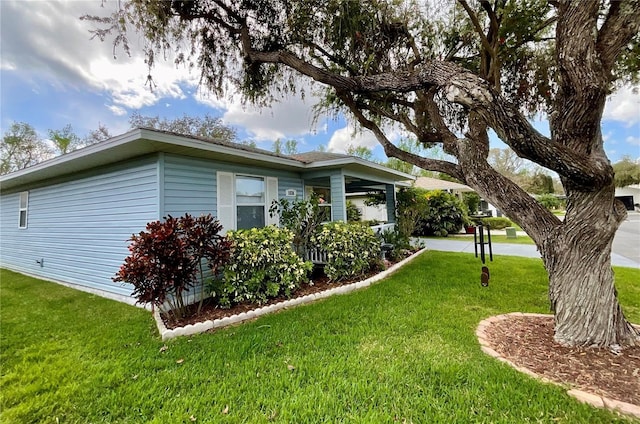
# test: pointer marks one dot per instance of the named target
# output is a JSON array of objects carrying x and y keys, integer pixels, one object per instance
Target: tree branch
[
  {"x": 621, "y": 24},
  {"x": 476, "y": 24},
  {"x": 464, "y": 88},
  {"x": 392, "y": 150}
]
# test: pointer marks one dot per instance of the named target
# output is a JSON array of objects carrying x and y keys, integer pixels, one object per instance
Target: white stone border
[
  {"x": 580, "y": 395},
  {"x": 201, "y": 327}
]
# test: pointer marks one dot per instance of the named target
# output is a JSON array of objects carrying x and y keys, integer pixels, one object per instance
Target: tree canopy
[
  {"x": 21, "y": 147},
  {"x": 627, "y": 172},
  {"x": 205, "y": 126}
]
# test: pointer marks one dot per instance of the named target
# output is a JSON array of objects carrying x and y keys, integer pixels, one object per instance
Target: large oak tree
[{"x": 447, "y": 72}]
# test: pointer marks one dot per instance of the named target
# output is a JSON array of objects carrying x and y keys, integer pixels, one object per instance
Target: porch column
[
  {"x": 390, "y": 192},
  {"x": 338, "y": 198}
]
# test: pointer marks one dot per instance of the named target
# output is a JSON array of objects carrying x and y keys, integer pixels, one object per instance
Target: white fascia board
[
  {"x": 334, "y": 163},
  {"x": 175, "y": 140},
  {"x": 132, "y": 144}
]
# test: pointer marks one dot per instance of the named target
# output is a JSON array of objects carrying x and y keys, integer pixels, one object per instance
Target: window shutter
[
  {"x": 226, "y": 211},
  {"x": 272, "y": 194}
]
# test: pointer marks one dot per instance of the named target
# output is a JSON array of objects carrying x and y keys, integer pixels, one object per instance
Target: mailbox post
[{"x": 479, "y": 239}]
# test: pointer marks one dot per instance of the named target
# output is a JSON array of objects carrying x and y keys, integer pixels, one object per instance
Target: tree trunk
[{"x": 581, "y": 281}]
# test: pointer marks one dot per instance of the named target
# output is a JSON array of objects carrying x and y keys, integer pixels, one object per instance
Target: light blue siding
[
  {"x": 290, "y": 183},
  {"x": 338, "y": 199},
  {"x": 79, "y": 228},
  {"x": 190, "y": 184}
]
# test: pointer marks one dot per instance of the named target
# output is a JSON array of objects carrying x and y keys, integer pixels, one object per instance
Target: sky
[{"x": 52, "y": 74}]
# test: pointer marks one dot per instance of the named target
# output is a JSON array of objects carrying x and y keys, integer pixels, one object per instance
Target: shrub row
[
  {"x": 181, "y": 255},
  {"x": 497, "y": 223}
]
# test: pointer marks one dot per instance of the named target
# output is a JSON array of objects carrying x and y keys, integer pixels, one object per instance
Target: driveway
[
  {"x": 625, "y": 252},
  {"x": 627, "y": 241}
]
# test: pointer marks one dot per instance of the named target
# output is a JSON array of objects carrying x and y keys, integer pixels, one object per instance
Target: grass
[{"x": 403, "y": 350}]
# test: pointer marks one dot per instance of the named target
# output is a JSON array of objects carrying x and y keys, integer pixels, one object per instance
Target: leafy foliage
[
  {"x": 444, "y": 215},
  {"x": 352, "y": 249},
  {"x": 164, "y": 260},
  {"x": 198, "y": 126},
  {"x": 497, "y": 222},
  {"x": 540, "y": 184},
  {"x": 353, "y": 213},
  {"x": 627, "y": 172},
  {"x": 301, "y": 217},
  {"x": 549, "y": 201},
  {"x": 472, "y": 201},
  {"x": 401, "y": 244},
  {"x": 21, "y": 147},
  {"x": 289, "y": 147},
  {"x": 263, "y": 265},
  {"x": 65, "y": 140}
]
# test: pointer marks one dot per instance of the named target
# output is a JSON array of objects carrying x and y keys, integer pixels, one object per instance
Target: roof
[
  {"x": 436, "y": 184},
  {"x": 143, "y": 141},
  {"x": 310, "y": 157}
]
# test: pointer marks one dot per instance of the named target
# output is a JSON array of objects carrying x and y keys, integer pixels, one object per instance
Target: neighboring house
[
  {"x": 630, "y": 195},
  {"x": 456, "y": 189},
  {"x": 69, "y": 219},
  {"x": 368, "y": 212}
]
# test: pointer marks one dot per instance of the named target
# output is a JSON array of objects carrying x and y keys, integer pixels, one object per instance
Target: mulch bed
[
  {"x": 528, "y": 342},
  {"x": 210, "y": 311}
]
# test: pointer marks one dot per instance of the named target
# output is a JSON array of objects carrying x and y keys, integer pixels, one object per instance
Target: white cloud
[
  {"x": 623, "y": 106},
  {"x": 117, "y": 110},
  {"x": 291, "y": 117},
  {"x": 635, "y": 141},
  {"x": 57, "y": 47},
  {"x": 345, "y": 137}
]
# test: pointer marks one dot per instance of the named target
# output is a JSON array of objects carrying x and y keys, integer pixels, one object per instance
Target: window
[
  {"x": 243, "y": 200},
  {"x": 324, "y": 201},
  {"x": 250, "y": 202},
  {"x": 23, "y": 209}
]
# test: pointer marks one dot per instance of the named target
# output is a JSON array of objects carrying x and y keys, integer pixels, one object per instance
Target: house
[
  {"x": 456, "y": 189},
  {"x": 368, "y": 212},
  {"x": 451, "y": 187},
  {"x": 630, "y": 196},
  {"x": 69, "y": 219}
]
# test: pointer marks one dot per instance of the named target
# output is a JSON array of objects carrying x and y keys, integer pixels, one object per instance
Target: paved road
[
  {"x": 627, "y": 241},
  {"x": 626, "y": 245}
]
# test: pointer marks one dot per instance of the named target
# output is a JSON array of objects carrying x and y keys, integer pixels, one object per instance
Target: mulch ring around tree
[{"x": 527, "y": 341}]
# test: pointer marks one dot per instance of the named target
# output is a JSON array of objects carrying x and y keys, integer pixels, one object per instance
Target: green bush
[
  {"x": 263, "y": 265},
  {"x": 353, "y": 213},
  {"x": 166, "y": 260},
  {"x": 497, "y": 223},
  {"x": 411, "y": 206},
  {"x": 472, "y": 201},
  {"x": 445, "y": 214},
  {"x": 352, "y": 249},
  {"x": 301, "y": 217},
  {"x": 549, "y": 201},
  {"x": 401, "y": 244}
]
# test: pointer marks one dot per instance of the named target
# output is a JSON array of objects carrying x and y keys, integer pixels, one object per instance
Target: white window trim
[
  {"x": 254, "y": 204},
  {"x": 230, "y": 214},
  {"x": 329, "y": 205},
  {"x": 24, "y": 210}
]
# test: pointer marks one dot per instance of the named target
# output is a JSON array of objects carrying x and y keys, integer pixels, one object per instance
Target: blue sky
[{"x": 52, "y": 75}]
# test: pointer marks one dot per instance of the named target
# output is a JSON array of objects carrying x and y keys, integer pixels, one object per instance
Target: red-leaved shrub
[{"x": 167, "y": 259}]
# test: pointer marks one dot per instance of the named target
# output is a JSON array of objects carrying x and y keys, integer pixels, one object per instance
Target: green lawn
[{"x": 403, "y": 350}]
